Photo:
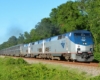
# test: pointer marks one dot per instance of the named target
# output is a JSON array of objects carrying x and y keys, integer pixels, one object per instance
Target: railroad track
[{"x": 92, "y": 64}]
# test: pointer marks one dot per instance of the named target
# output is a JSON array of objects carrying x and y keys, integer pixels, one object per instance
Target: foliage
[
  {"x": 20, "y": 39},
  {"x": 96, "y": 78},
  {"x": 25, "y": 71},
  {"x": 97, "y": 56},
  {"x": 11, "y": 61}
]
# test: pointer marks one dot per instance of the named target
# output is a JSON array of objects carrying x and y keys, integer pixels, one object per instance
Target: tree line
[{"x": 72, "y": 15}]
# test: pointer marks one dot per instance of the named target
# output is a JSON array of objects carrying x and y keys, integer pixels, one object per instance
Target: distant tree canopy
[{"x": 72, "y": 15}]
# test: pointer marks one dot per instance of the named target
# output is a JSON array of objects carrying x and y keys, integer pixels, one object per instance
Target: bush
[
  {"x": 97, "y": 56},
  {"x": 11, "y": 61},
  {"x": 21, "y": 61}
]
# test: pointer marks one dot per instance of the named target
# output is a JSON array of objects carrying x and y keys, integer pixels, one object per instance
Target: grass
[{"x": 18, "y": 69}]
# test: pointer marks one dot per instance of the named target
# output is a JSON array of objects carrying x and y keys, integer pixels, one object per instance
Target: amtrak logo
[
  {"x": 83, "y": 39},
  {"x": 63, "y": 44}
]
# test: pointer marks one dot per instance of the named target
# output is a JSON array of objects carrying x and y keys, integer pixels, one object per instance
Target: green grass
[{"x": 18, "y": 69}]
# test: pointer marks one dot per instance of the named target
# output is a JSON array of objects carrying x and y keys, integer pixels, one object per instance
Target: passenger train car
[{"x": 76, "y": 45}]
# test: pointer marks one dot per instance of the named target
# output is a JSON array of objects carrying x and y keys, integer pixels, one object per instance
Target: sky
[{"x": 18, "y": 16}]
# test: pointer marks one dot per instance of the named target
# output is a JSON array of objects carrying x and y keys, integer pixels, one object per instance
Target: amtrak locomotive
[{"x": 76, "y": 45}]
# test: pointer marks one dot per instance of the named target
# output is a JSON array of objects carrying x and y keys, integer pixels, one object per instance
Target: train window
[
  {"x": 47, "y": 49},
  {"x": 59, "y": 37},
  {"x": 87, "y": 34},
  {"x": 32, "y": 43},
  {"x": 50, "y": 39},
  {"x": 40, "y": 49},
  {"x": 82, "y": 34},
  {"x": 77, "y": 34},
  {"x": 63, "y": 36}
]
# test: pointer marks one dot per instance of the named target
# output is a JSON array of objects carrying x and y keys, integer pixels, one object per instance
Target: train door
[
  {"x": 29, "y": 48},
  {"x": 67, "y": 45}
]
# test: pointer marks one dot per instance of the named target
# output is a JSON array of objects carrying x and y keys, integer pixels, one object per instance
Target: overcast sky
[{"x": 18, "y": 16}]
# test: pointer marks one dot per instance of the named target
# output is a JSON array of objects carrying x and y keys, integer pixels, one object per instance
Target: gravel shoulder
[{"x": 89, "y": 70}]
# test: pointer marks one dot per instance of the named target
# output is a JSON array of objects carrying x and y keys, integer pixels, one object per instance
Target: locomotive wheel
[
  {"x": 48, "y": 56},
  {"x": 51, "y": 57},
  {"x": 32, "y": 55},
  {"x": 67, "y": 58},
  {"x": 39, "y": 56}
]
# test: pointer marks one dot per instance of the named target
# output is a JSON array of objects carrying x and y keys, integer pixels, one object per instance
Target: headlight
[
  {"x": 91, "y": 49},
  {"x": 78, "y": 49}
]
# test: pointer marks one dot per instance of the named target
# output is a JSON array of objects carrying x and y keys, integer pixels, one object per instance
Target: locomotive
[{"x": 76, "y": 45}]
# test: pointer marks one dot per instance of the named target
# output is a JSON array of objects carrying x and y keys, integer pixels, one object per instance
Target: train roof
[
  {"x": 54, "y": 38},
  {"x": 80, "y": 31}
]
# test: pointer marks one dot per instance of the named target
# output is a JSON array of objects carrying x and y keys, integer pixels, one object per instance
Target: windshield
[
  {"x": 81, "y": 38},
  {"x": 82, "y": 34}
]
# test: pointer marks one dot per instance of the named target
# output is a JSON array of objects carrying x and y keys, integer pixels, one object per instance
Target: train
[{"x": 75, "y": 46}]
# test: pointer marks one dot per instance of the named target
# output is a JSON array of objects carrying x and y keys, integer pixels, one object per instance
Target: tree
[
  {"x": 27, "y": 37},
  {"x": 45, "y": 28},
  {"x": 68, "y": 17},
  {"x": 21, "y": 39},
  {"x": 12, "y": 41}
]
